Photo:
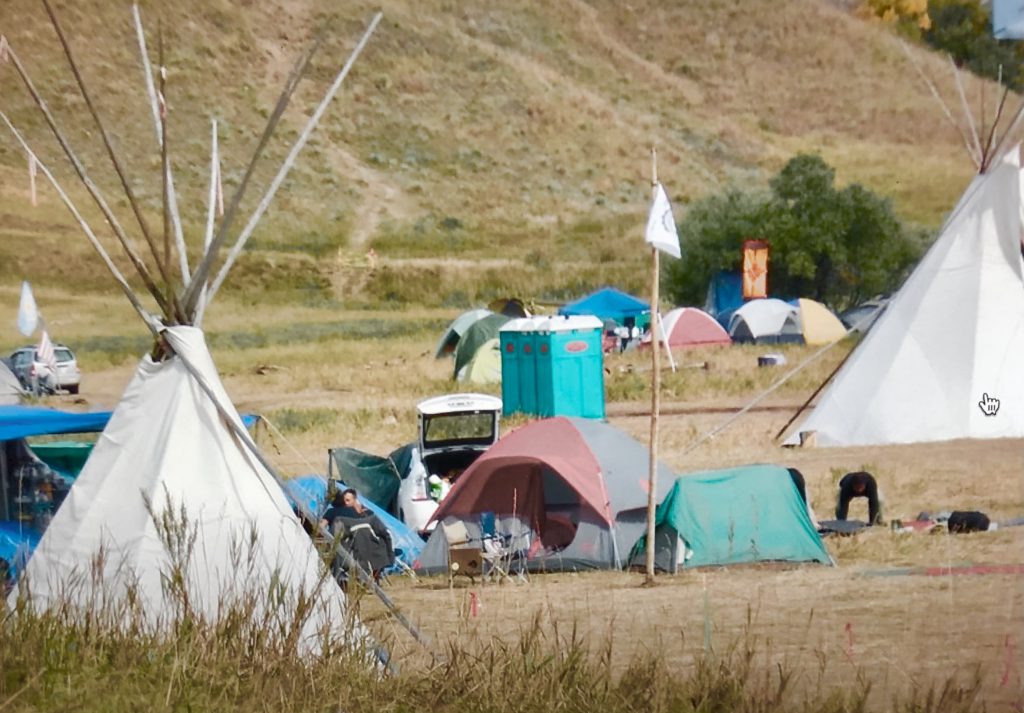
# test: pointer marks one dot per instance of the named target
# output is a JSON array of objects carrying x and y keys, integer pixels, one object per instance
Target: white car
[
  {"x": 36, "y": 376},
  {"x": 454, "y": 431}
]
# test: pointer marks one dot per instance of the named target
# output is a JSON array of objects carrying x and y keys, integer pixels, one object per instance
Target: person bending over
[{"x": 859, "y": 485}]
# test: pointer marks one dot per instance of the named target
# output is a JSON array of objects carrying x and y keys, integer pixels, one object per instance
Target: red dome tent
[
  {"x": 571, "y": 491},
  {"x": 691, "y": 327}
]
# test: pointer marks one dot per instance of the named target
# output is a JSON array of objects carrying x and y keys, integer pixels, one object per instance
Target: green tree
[
  {"x": 710, "y": 238},
  {"x": 963, "y": 28},
  {"x": 836, "y": 246}
]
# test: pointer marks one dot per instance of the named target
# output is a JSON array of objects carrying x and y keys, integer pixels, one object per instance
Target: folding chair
[{"x": 497, "y": 550}]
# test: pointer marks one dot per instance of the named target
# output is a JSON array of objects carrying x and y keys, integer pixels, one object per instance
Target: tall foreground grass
[{"x": 57, "y": 662}]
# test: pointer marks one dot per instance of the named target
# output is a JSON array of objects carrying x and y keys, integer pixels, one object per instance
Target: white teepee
[
  {"x": 950, "y": 341},
  {"x": 176, "y": 512},
  {"x": 166, "y": 451},
  {"x": 10, "y": 388}
]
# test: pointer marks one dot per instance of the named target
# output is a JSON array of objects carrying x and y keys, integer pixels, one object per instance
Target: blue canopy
[
  {"x": 608, "y": 303},
  {"x": 23, "y": 421},
  {"x": 312, "y": 491}
]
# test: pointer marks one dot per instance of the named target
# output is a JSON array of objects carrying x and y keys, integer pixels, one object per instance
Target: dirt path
[
  {"x": 379, "y": 197},
  {"x": 588, "y": 15}
]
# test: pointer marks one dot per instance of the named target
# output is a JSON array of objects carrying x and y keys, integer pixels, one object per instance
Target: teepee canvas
[
  {"x": 10, "y": 388},
  {"x": 944, "y": 359},
  {"x": 176, "y": 512},
  {"x": 167, "y": 470}
]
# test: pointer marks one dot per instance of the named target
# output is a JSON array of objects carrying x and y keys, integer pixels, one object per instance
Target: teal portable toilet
[
  {"x": 518, "y": 369},
  {"x": 569, "y": 367}
]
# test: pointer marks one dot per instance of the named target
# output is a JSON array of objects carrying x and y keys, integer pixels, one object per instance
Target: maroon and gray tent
[{"x": 565, "y": 493}]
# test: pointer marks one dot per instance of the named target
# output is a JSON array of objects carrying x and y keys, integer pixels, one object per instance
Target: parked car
[
  {"x": 37, "y": 377},
  {"x": 454, "y": 431}
]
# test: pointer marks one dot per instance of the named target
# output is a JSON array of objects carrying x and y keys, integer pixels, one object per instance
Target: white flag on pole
[
  {"x": 28, "y": 313},
  {"x": 46, "y": 354},
  {"x": 661, "y": 226}
]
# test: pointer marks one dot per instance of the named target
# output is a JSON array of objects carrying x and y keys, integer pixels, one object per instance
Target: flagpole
[{"x": 652, "y": 475}]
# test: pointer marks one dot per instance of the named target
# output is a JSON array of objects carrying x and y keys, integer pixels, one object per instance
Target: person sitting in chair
[
  {"x": 362, "y": 534},
  {"x": 859, "y": 485},
  {"x": 337, "y": 509}
]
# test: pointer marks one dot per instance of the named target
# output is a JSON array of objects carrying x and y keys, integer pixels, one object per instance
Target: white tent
[
  {"x": 166, "y": 451},
  {"x": 10, "y": 388},
  {"x": 818, "y": 323},
  {"x": 177, "y": 513},
  {"x": 765, "y": 320},
  {"x": 950, "y": 339}
]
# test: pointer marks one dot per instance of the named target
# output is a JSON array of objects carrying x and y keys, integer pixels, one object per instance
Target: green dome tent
[
  {"x": 752, "y": 513},
  {"x": 485, "y": 366},
  {"x": 481, "y": 331},
  {"x": 450, "y": 339}
]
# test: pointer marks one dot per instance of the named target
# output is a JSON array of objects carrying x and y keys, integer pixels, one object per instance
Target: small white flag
[
  {"x": 28, "y": 313},
  {"x": 45, "y": 353},
  {"x": 661, "y": 226},
  {"x": 4, "y": 48}
]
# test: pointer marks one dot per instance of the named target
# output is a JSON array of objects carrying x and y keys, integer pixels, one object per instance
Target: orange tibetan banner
[{"x": 755, "y": 269}]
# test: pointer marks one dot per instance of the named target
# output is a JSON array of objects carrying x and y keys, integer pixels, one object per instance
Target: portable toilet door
[
  {"x": 570, "y": 367},
  {"x": 528, "y": 367},
  {"x": 518, "y": 369}
]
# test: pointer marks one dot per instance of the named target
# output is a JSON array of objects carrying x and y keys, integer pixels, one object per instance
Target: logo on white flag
[
  {"x": 661, "y": 225},
  {"x": 28, "y": 313}
]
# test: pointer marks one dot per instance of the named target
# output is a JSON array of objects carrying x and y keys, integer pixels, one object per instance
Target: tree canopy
[
  {"x": 838, "y": 246},
  {"x": 964, "y": 29}
]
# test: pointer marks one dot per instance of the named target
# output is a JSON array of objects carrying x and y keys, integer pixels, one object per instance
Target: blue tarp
[
  {"x": 24, "y": 421},
  {"x": 16, "y": 543},
  {"x": 608, "y": 303},
  {"x": 725, "y": 296},
  {"x": 312, "y": 491}
]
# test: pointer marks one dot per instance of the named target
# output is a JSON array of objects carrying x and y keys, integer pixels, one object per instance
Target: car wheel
[{"x": 72, "y": 389}]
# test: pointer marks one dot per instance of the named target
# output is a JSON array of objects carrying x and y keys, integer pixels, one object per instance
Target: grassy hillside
[{"x": 514, "y": 136}]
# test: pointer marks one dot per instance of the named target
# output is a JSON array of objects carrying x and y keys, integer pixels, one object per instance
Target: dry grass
[
  {"x": 482, "y": 149},
  {"x": 909, "y": 632},
  {"x": 831, "y": 626},
  {"x": 477, "y": 131}
]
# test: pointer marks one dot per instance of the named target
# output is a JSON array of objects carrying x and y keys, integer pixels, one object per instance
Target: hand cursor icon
[{"x": 988, "y": 405}]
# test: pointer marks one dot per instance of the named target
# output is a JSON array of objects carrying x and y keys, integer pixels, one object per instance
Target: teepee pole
[
  {"x": 1010, "y": 129},
  {"x": 979, "y": 151},
  {"x": 652, "y": 473},
  {"x": 159, "y": 126},
  {"x": 101, "y": 251},
  {"x": 942, "y": 105},
  {"x": 125, "y": 184},
  {"x": 202, "y": 272},
  {"x": 165, "y": 163},
  {"x": 287, "y": 165},
  {"x": 990, "y": 139},
  {"x": 211, "y": 210},
  {"x": 115, "y": 225}
]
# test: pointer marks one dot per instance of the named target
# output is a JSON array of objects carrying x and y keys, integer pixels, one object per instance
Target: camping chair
[
  {"x": 498, "y": 551},
  {"x": 463, "y": 558}
]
